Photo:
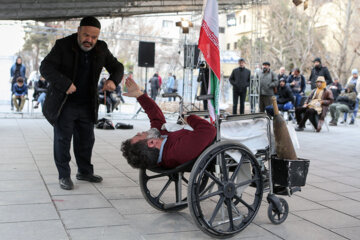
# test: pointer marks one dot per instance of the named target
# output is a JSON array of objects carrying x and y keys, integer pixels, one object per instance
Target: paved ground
[{"x": 32, "y": 206}]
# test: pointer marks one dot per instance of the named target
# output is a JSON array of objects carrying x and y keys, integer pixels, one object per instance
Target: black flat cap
[
  {"x": 266, "y": 63},
  {"x": 90, "y": 21},
  {"x": 242, "y": 60},
  {"x": 317, "y": 60}
]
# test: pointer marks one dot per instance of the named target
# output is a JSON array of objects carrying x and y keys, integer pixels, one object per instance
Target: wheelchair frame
[{"x": 217, "y": 169}]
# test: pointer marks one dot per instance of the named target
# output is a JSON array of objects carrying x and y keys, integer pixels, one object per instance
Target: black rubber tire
[
  {"x": 199, "y": 200},
  {"x": 273, "y": 212},
  {"x": 155, "y": 202}
]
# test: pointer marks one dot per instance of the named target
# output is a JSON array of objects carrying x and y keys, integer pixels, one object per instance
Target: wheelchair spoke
[
  {"x": 155, "y": 176},
  {"x": 224, "y": 168},
  {"x": 244, "y": 203},
  {"x": 209, "y": 187},
  {"x": 213, "y": 178},
  {"x": 246, "y": 182},
  {"x": 228, "y": 203},
  {"x": 211, "y": 195},
  {"x": 164, "y": 189},
  {"x": 233, "y": 176},
  {"x": 216, "y": 210}
]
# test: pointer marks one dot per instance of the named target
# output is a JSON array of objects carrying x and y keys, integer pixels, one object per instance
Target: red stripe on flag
[{"x": 209, "y": 49}]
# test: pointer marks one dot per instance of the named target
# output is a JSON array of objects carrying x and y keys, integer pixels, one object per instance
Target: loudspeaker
[
  {"x": 187, "y": 53},
  {"x": 146, "y": 57}
]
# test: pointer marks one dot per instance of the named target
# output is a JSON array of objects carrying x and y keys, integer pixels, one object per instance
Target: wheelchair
[{"x": 224, "y": 186}]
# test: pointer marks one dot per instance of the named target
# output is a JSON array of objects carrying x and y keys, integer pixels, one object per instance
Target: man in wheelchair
[{"x": 159, "y": 146}]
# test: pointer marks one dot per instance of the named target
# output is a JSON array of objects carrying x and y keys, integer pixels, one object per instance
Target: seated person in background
[
  {"x": 335, "y": 88},
  {"x": 354, "y": 80},
  {"x": 159, "y": 147},
  {"x": 20, "y": 90},
  {"x": 344, "y": 103},
  {"x": 110, "y": 102},
  {"x": 285, "y": 98},
  {"x": 315, "y": 107},
  {"x": 116, "y": 97},
  {"x": 297, "y": 84},
  {"x": 41, "y": 87}
]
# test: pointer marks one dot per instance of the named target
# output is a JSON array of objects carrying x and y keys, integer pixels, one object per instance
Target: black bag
[{"x": 105, "y": 124}]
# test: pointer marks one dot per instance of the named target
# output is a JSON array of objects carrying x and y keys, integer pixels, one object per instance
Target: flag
[{"x": 209, "y": 46}]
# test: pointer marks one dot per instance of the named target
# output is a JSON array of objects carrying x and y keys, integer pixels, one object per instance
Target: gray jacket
[{"x": 268, "y": 81}]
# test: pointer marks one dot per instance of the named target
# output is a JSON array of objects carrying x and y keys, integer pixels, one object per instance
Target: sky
[{"x": 12, "y": 37}]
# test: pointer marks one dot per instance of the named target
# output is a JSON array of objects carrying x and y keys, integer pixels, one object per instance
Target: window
[
  {"x": 167, "y": 23},
  {"x": 228, "y": 46},
  {"x": 221, "y": 30},
  {"x": 235, "y": 45},
  {"x": 231, "y": 20},
  {"x": 244, "y": 18}
]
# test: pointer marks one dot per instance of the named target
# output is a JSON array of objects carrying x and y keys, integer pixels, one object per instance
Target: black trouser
[
  {"x": 154, "y": 92},
  {"x": 76, "y": 121},
  {"x": 236, "y": 95},
  {"x": 302, "y": 114}
]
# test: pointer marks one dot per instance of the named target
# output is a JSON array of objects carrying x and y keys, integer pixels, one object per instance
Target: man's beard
[
  {"x": 85, "y": 49},
  {"x": 153, "y": 133}
]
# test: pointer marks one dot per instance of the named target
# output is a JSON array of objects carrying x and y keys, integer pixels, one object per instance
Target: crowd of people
[{"x": 290, "y": 91}]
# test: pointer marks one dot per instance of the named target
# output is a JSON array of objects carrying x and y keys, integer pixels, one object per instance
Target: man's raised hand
[{"x": 133, "y": 89}]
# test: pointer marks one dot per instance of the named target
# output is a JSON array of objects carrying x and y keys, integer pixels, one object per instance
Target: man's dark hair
[
  {"x": 139, "y": 155},
  {"x": 297, "y": 70},
  {"x": 20, "y": 80}
]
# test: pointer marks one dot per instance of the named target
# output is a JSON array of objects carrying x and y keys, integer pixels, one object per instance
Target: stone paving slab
[{"x": 31, "y": 200}]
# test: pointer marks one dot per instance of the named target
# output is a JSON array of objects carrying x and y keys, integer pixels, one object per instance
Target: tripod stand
[{"x": 145, "y": 91}]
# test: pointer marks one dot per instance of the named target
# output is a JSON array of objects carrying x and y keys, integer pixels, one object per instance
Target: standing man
[
  {"x": 268, "y": 82},
  {"x": 17, "y": 70},
  {"x": 319, "y": 70},
  {"x": 240, "y": 80},
  {"x": 170, "y": 85},
  {"x": 72, "y": 68}
]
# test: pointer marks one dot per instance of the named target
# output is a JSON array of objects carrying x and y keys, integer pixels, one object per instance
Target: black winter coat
[
  {"x": 285, "y": 95},
  {"x": 59, "y": 68},
  {"x": 240, "y": 79},
  {"x": 322, "y": 71}
]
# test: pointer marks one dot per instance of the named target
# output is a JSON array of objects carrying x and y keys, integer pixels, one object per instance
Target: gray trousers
[
  {"x": 336, "y": 109},
  {"x": 264, "y": 101}
]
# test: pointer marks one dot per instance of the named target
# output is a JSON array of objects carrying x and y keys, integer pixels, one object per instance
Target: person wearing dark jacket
[
  {"x": 109, "y": 102},
  {"x": 335, "y": 88},
  {"x": 285, "y": 98},
  {"x": 41, "y": 87},
  {"x": 160, "y": 146},
  {"x": 72, "y": 69},
  {"x": 240, "y": 80},
  {"x": 20, "y": 90},
  {"x": 18, "y": 69},
  {"x": 319, "y": 70},
  {"x": 297, "y": 84},
  {"x": 154, "y": 86},
  {"x": 344, "y": 103}
]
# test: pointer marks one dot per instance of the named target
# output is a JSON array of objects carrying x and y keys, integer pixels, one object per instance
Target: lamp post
[{"x": 184, "y": 25}]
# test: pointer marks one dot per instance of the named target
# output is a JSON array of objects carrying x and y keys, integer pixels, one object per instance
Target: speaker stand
[{"x": 145, "y": 91}]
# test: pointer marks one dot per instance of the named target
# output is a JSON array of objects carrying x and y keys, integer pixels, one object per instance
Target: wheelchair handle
[
  {"x": 166, "y": 95},
  {"x": 204, "y": 97}
]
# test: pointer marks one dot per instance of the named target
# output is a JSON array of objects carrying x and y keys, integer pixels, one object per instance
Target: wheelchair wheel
[
  {"x": 278, "y": 216},
  {"x": 233, "y": 193},
  {"x": 161, "y": 190}
]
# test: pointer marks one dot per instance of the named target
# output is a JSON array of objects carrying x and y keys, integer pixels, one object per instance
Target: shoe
[
  {"x": 332, "y": 124},
  {"x": 36, "y": 106},
  {"x": 66, "y": 183},
  {"x": 342, "y": 122},
  {"x": 89, "y": 177},
  {"x": 351, "y": 122},
  {"x": 12, "y": 108},
  {"x": 299, "y": 129}
]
